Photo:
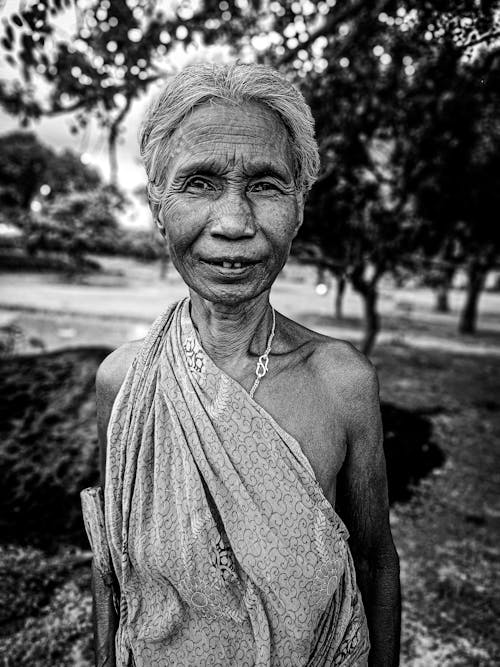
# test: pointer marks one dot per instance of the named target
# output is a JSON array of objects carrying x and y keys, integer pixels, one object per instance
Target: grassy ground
[
  {"x": 448, "y": 533},
  {"x": 439, "y": 408}
]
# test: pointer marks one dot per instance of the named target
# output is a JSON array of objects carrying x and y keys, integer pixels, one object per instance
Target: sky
[{"x": 91, "y": 143}]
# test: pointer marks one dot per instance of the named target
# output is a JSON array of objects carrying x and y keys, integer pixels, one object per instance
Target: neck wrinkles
[{"x": 232, "y": 332}]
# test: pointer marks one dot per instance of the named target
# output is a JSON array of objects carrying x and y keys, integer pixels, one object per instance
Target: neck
[{"x": 232, "y": 333}]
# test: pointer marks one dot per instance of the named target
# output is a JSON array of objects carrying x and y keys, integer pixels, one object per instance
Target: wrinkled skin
[{"x": 230, "y": 194}]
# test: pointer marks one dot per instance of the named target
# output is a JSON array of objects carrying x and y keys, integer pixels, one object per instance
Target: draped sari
[{"x": 225, "y": 548}]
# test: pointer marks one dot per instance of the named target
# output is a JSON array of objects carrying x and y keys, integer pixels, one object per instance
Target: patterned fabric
[{"x": 225, "y": 547}]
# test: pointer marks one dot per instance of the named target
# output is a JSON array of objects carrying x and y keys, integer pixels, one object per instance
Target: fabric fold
[{"x": 226, "y": 549}]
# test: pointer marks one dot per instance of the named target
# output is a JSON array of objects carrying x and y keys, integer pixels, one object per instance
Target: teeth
[{"x": 231, "y": 265}]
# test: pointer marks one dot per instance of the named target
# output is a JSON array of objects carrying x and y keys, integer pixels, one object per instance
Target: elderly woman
[{"x": 231, "y": 433}]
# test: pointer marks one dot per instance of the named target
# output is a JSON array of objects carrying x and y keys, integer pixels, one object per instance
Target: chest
[{"x": 298, "y": 402}]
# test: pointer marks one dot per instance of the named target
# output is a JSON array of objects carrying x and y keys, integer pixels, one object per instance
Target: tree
[
  {"x": 23, "y": 163},
  {"x": 26, "y": 164},
  {"x": 75, "y": 224},
  {"x": 361, "y": 217},
  {"x": 116, "y": 51},
  {"x": 452, "y": 165},
  {"x": 66, "y": 173},
  {"x": 357, "y": 63}
]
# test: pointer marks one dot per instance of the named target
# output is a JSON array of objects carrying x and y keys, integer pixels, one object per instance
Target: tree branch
[
  {"x": 332, "y": 21},
  {"x": 79, "y": 104},
  {"x": 482, "y": 38}
]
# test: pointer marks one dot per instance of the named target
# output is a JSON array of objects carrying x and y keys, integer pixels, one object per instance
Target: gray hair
[{"x": 236, "y": 83}]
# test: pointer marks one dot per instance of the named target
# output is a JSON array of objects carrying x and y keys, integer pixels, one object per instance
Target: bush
[
  {"x": 48, "y": 444},
  {"x": 46, "y": 609},
  {"x": 76, "y": 224}
]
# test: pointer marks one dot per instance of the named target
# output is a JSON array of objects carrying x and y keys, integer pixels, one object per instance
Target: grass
[
  {"x": 438, "y": 407},
  {"x": 448, "y": 533}
]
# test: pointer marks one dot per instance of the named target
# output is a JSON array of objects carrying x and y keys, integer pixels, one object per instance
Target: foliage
[
  {"x": 371, "y": 72},
  {"x": 48, "y": 449},
  {"x": 450, "y": 166},
  {"x": 115, "y": 53},
  {"x": 23, "y": 163},
  {"x": 46, "y": 608},
  {"x": 66, "y": 173},
  {"x": 363, "y": 216},
  {"x": 29, "y": 579},
  {"x": 76, "y": 224},
  {"x": 146, "y": 245},
  {"x": 26, "y": 164}
]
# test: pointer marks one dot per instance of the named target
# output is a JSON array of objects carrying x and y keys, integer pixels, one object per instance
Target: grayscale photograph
[{"x": 249, "y": 333}]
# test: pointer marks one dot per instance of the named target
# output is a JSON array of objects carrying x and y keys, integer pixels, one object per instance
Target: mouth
[{"x": 230, "y": 264}]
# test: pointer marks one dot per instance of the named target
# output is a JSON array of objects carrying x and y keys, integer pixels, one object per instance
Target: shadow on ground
[
  {"x": 49, "y": 451},
  {"x": 409, "y": 450},
  {"x": 400, "y": 322}
]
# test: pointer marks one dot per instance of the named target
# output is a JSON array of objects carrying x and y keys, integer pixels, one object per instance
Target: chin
[{"x": 229, "y": 295}]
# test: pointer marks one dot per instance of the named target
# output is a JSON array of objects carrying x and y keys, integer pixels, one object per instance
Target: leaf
[
  {"x": 29, "y": 18},
  {"x": 27, "y": 43}
]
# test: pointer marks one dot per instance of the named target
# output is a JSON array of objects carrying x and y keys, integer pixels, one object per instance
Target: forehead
[{"x": 245, "y": 132}]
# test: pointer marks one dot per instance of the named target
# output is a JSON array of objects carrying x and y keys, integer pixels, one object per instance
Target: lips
[{"x": 230, "y": 262}]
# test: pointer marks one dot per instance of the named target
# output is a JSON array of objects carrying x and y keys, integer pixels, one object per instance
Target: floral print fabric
[{"x": 226, "y": 550}]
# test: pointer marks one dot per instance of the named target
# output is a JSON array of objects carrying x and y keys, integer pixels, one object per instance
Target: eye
[
  {"x": 199, "y": 184},
  {"x": 264, "y": 186}
]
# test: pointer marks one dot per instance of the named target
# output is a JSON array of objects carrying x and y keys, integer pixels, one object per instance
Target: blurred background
[{"x": 399, "y": 253}]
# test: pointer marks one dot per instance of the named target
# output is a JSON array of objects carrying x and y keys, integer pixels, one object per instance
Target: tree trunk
[
  {"x": 442, "y": 304},
  {"x": 367, "y": 289},
  {"x": 339, "y": 296},
  {"x": 113, "y": 156},
  {"x": 114, "y": 130},
  {"x": 371, "y": 319},
  {"x": 468, "y": 316}
]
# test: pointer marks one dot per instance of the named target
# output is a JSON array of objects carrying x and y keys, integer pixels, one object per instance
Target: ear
[
  {"x": 160, "y": 226},
  {"x": 300, "y": 215},
  {"x": 157, "y": 217}
]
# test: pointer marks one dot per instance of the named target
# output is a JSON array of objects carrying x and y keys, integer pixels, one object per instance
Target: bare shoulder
[
  {"x": 342, "y": 375},
  {"x": 344, "y": 368},
  {"x": 112, "y": 371},
  {"x": 336, "y": 363},
  {"x": 110, "y": 376},
  {"x": 350, "y": 381}
]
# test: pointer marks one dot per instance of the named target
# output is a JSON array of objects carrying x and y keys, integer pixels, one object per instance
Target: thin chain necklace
[{"x": 263, "y": 361}]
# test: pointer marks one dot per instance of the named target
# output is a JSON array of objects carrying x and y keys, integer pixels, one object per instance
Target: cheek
[
  {"x": 279, "y": 220},
  {"x": 182, "y": 220}
]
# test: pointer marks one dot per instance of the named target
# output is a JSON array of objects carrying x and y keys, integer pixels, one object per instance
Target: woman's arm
[
  {"x": 105, "y": 588},
  {"x": 105, "y": 620},
  {"x": 363, "y": 505}
]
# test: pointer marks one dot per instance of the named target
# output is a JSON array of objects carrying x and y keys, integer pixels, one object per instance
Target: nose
[{"x": 232, "y": 217}]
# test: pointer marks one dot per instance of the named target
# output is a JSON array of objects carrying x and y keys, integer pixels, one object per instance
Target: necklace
[{"x": 263, "y": 361}]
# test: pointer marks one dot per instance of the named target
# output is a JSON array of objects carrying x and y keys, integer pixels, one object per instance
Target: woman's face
[{"x": 231, "y": 208}]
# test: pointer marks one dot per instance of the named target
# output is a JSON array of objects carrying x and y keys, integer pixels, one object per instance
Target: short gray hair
[{"x": 236, "y": 83}]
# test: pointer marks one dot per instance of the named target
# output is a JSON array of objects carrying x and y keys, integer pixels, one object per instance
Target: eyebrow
[
  {"x": 207, "y": 167},
  {"x": 266, "y": 168},
  {"x": 210, "y": 167}
]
